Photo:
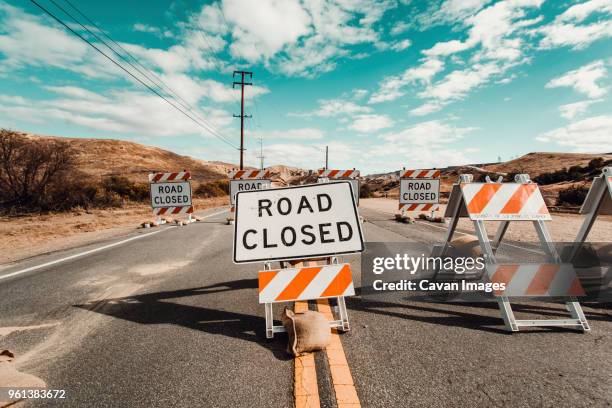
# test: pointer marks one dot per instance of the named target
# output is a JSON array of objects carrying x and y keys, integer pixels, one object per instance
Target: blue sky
[{"x": 384, "y": 84}]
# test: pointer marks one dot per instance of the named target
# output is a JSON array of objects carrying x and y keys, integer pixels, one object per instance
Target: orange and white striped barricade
[
  {"x": 352, "y": 176},
  {"x": 419, "y": 191},
  {"x": 535, "y": 280},
  {"x": 506, "y": 202},
  {"x": 334, "y": 280},
  {"x": 597, "y": 202},
  {"x": 239, "y": 179},
  {"x": 298, "y": 225},
  {"x": 171, "y": 194}
]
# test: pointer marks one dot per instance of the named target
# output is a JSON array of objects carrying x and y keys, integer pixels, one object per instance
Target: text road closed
[
  {"x": 237, "y": 186},
  {"x": 296, "y": 222},
  {"x": 419, "y": 191},
  {"x": 171, "y": 194}
]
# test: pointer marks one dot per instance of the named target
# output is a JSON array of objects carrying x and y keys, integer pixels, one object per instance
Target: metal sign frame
[
  {"x": 297, "y": 257},
  {"x": 341, "y": 324},
  {"x": 489, "y": 249}
]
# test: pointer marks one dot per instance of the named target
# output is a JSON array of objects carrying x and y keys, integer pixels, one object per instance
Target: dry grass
[{"x": 31, "y": 235}]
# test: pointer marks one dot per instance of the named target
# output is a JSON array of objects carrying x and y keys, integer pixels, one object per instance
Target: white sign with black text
[
  {"x": 171, "y": 194},
  {"x": 296, "y": 222},
  {"x": 239, "y": 185},
  {"x": 419, "y": 191}
]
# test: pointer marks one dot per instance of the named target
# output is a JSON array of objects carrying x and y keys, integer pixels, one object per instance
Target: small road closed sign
[
  {"x": 419, "y": 191},
  {"x": 239, "y": 185},
  {"x": 296, "y": 223},
  {"x": 171, "y": 194}
]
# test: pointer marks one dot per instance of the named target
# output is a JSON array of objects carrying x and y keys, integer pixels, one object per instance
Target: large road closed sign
[
  {"x": 296, "y": 222},
  {"x": 237, "y": 186},
  {"x": 174, "y": 194},
  {"x": 419, "y": 191}
]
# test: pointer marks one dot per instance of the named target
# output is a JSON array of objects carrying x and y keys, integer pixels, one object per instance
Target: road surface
[{"x": 168, "y": 320}]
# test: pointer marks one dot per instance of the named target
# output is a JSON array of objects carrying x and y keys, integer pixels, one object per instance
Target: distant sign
[
  {"x": 296, "y": 222},
  {"x": 171, "y": 194},
  {"x": 354, "y": 185},
  {"x": 237, "y": 186},
  {"x": 419, "y": 191}
]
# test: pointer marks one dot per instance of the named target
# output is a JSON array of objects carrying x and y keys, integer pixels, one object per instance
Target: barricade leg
[
  {"x": 344, "y": 322},
  {"x": 507, "y": 314}
]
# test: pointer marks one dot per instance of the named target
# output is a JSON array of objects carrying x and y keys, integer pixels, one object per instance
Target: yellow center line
[
  {"x": 305, "y": 388},
  {"x": 346, "y": 394}
]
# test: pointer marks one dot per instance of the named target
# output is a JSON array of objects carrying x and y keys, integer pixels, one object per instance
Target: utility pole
[
  {"x": 261, "y": 155},
  {"x": 326, "y": 157},
  {"x": 242, "y": 115}
]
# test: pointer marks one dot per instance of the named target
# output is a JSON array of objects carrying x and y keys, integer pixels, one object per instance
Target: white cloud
[
  {"x": 586, "y": 135},
  {"x": 584, "y": 79},
  {"x": 458, "y": 84},
  {"x": 426, "y": 108},
  {"x": 291, "y": 134},
  {"x": 144, "y": 28},
  {"x": 301, "y": 38},
  {"x": 579, "y": 12},
  {"x": 128, "y": 113},
  {"x": 21, "y": 46},
  {"x": 335, "y": 107},
  {"x": 370, "y": 123},
  {"x": 400, "y": 45},
  {"x": 566, "y": 29},
  {"x": 572, "y": 110},
  {"x": 391, "y": 87},
  {"x": 261, "y": 29},
  {"x": 430, "y": 133}
]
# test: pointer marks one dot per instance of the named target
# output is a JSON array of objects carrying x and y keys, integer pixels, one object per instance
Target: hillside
[
  {"x": 534, "y": 164},
  {"x": 106, "y": 157}
]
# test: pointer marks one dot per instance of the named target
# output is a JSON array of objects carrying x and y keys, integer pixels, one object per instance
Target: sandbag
[
  {"x": 307, "y": 331},
  {"x": 466, "y": 246}
]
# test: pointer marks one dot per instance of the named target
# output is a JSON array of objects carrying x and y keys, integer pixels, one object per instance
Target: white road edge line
[{"x": 91, "y": 251}]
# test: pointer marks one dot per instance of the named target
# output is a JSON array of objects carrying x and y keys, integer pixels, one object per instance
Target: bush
[
  {"x": 29, "y": 168},
  {"x": 126, "y": 189},
  {"x": 217, "y": 188},
  {"x": 365, "y": 191},
  {"x": 572, "y": 196}
]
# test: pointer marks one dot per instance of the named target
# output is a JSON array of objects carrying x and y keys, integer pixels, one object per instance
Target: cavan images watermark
[{"x": 413, "y": 271}]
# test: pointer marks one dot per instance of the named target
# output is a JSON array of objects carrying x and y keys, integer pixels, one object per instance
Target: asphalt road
[{"x": 169, "y": 320}]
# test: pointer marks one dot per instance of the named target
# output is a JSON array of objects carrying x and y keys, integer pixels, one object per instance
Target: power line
[
  {"x": 208, "y": 125},
  {"x": 127, "y": 71}
]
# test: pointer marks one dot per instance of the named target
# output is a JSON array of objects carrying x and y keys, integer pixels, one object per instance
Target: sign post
[
  {"x": 171, "y": 194},
  {"x": 292, "y": 224},
  {"x": 419, "y": 191}
]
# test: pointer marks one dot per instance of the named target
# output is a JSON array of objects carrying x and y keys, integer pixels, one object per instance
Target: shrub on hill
[{"x": 217, "y": 188}]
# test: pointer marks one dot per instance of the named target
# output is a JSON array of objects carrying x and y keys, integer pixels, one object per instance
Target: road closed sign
[
  {"x": 237, "y": 186},
  {"x": 419, "y": 191},
  {"x": 174, "y": 194},
  {"x": 296, "y": 222}
]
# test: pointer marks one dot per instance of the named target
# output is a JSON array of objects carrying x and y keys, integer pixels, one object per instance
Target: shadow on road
[
  {"x": 157, "y": 308},
  {"x": 457, "y": 317}
]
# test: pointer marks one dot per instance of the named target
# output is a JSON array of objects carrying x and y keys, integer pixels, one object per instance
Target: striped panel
[
  {"x": 509, "y": 201},
  {"x": 418, "y": 207},
  {"x": 536, "y": 280},
  {"x": 177, "y": 176},
  {"x": 173, "y": 210},
  {"x": 338, "y": 174},
  {"x": 248, "y": 174},
  {"x": 284, "y": 285},
  {"x": 420, "y": 173}
]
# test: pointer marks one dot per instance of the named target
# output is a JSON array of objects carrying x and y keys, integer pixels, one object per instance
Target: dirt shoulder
[
  {"x": 27, "y": 236},
  {"x": 563, "y": 227}
]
